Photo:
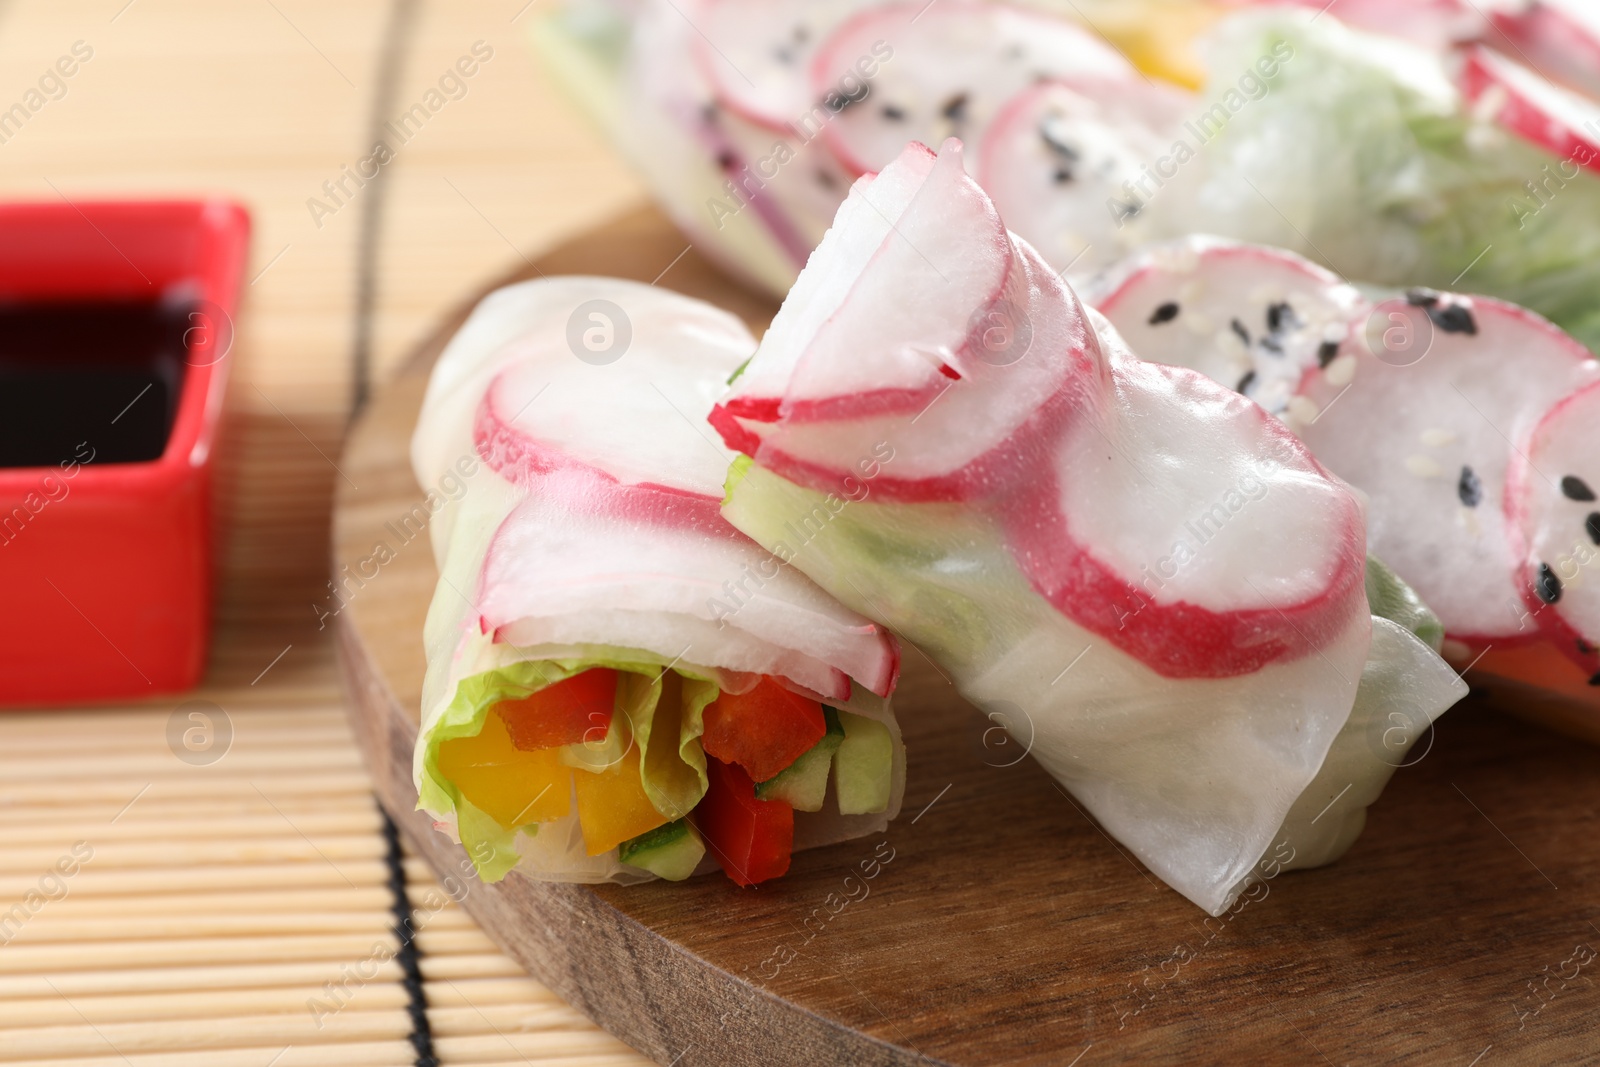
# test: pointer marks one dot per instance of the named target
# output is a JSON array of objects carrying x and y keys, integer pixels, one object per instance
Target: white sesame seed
[
  {"x": 1303, "y": 409},
  {"x": 1424, "y": 467},
  {"x": 1438, "y": 437},
  {"x": 1341, "y": 371}
]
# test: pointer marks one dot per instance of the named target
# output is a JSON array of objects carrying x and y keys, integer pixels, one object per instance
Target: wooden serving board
[{"x": 994, "y": 923}]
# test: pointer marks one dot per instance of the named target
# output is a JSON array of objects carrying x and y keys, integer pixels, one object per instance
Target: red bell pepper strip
[
  {"x": 752, "y": 839},
  {"x": 764, "y": 730},
  {"x": 572, "y": 711}
]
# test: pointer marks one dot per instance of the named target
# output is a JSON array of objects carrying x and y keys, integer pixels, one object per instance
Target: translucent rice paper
[
  {"x": 1353, "y": 148},
  {"x": 575, "y": 492},
  {"x": 1145, "y": 569}
]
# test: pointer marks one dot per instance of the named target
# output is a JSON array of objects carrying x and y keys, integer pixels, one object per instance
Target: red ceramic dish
[{"x": 106, "y": 533}]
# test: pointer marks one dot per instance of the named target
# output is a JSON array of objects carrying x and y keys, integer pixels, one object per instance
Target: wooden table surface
[{"x": 222, "y": 897}]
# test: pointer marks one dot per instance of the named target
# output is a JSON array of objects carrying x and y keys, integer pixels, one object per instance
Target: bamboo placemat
[{"x": 231, "y": 899}]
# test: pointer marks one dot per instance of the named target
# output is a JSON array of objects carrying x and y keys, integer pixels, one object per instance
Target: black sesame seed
[
  {"x": 801, "y": 34},
  {"x": 826, "y": 180},
  {"x": 1062, "y": 176},
  {"x": 1595, "y": 680},
  {"x": 1454, "y": 318},
  {"x": 726, "y": 160},
  {"x": 1593, "y": 525},
  {"x": 1165, "y": 313},
  {"x": 1422, "y": 297},
  {"x": 1469, "y": 488},
  {"x": 893, "y": 114},
  {"x": 1280, "y": 315},
  {"x": 1327, "y": 353},
  {"x": 1238, "y": 328},
  {"x": 955, "y": 108},
  {"x": 1547, "y": 585},
  {"x": 1575, "y": 488},
  {"x": 783, "y": 55},
  {"x": 1056, "y": 144},
  {"x": 1247, "y": 381},
  {"x": 1272, "y": 344}
]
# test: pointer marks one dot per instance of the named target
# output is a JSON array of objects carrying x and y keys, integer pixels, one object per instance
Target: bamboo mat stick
[
  {"x": 262, "y": 975},
  {"x": 383, "y": 992},
  {"x": 154, "y": 807},
  {"x": 19, "y": 958},
  {"x": 337, "y": 899},
  {"x": 187, "y": 825},
  {"x": 349, "y": 873},
  {"x": 240, "y": 759},
  {"x": 123, "y": 789},
  {"x": 287, "y": 846},
  {"x": 63, "y": 732},
  {"x": 152, "y": 736},
  {"x": 63, "y": 930},
  {"x": 375, "y": 1054},
  {"x": 90, "y": 882},
  {"x": 353, "y": 1022}
]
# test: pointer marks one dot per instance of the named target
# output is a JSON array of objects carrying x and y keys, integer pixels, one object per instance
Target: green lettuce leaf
[{"x": 672, "y": 770}]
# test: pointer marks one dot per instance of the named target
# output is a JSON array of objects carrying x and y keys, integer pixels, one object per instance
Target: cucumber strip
[
  {"x": 863, "y": 768},
  {"x": 672, "y": 851},
  {"x": 804, "y": 783}
]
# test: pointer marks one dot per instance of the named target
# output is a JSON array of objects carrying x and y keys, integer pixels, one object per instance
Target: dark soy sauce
[{"x": 108, "y": 374}]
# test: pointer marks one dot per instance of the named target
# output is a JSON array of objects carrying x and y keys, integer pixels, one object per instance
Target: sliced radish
[
  {"x": 1062, "y": 159},
  {"x": 1427, "y": 428},
  {"x": 1560, "y": 38},
  {"x": 1149, "y": 526},
  {"x": 610, "y": 532},
  {"x": 548, "y": 408},
  {"x": 1556, "y": 119},
  {"x": 1054, "y": 436},
  {"x": 954, "y": 64},
  {"x": 995, "y": 344},
  {"x": 1250, "y": 317},
  {"x": 863, "y": 223},
  {"x": 1553, "y": 497},
  {"x": 777, "y": 172},
  {"x": 757, "y": 53},
  {"x": 564, "y": 569}
]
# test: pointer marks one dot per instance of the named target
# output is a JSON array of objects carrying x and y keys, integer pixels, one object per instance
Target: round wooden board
[{"x": 1007, "y": 928}]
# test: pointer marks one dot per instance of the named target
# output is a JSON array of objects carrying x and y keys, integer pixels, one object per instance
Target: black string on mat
[{"x": 408, "y": 957}]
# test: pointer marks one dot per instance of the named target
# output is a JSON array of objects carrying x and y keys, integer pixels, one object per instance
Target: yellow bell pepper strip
[{"x": 513, "y": 786}]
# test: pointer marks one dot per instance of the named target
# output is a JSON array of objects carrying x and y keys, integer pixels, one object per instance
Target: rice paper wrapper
[
  {"x": 581, "y": 530},
  {"x": 1143, "y": 575}
]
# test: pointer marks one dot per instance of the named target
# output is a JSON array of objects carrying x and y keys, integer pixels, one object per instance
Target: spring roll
[
  {"x": 1142, "y": 573},
  {"x": 621, "y": 685}
]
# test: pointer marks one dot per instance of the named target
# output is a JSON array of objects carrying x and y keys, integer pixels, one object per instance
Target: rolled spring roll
[
  {"x": 619, "y": 683},
  {"x": 1143, "y": 575}
]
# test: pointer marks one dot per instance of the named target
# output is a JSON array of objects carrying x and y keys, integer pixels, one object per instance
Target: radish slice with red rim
[
  {"x": 1553, "y": 501},
  {"x": 1560, "y": 38},
  {"x": 1554, "y": 118},
  {"x": 841, "y": 372},
  {"x": 953, "y": 67},
  {"x": 1149, "y": 526},
  {"x": 1428, "y": 427},
  {"x": 1250, "y": 317},
  {"x": 1062, "y": 159}
]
